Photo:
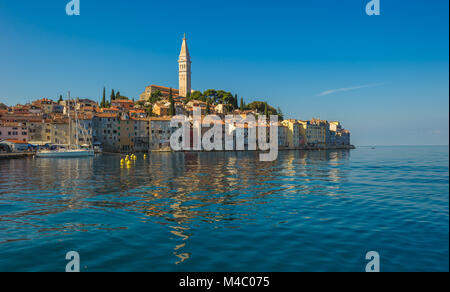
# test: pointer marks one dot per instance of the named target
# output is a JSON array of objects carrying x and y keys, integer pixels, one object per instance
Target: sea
[{"x": 229, "y": 212}]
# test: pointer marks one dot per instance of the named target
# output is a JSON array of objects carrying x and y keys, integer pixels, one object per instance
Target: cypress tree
[
  {"x": 113, "y": 95},
  {"x": 208, "y": 108},
  {"x": 172, "y": 103},
  {"x": 103, "y": 103},
  {"x": 242, "y": 104},
  {"x": 266, "y": 111}
]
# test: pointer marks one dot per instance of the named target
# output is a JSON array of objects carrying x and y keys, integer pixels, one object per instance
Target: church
[{"x": 184, "y": 77}]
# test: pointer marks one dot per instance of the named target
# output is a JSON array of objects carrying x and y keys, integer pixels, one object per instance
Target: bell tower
[{"x": 184, "y": 69}]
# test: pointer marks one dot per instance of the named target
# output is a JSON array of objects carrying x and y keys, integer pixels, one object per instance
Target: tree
[
  {"x": 280, "y": 114},
  {"x": 208, "y": 108},
  {"x": 60, "y": 99},
  {"x": 172, "y": 103},
  {"x": 118, "y": 95},
  {"x": 266, "y": 110},
  {"x": 155, "y": 96},
  {"x": 210, "y": 94},
  {"x": 196, "y": 95},
  {"x": 113, "y": 95},
  {"x": 149, "y": 110},
  {"x": 235, "y": 102},
  {"x": 242, "y": 104},
  {"x": 103, "y": 103}
]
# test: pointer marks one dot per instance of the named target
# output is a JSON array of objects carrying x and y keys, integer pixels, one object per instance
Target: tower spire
[{"x": 184, "y": 69}]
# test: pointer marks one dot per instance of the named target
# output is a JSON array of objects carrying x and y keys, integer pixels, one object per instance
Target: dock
[{"x": 14, "y": 155}]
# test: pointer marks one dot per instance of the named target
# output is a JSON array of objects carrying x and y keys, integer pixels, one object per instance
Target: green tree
[
  {"x": 155, "y": 96},
  {"x": 242, "y": 104},
  {"x": 280, "y": 114},
  {"x": 103, "y": 103},
  {"x": 60, "y": 99},
  {"x": 208, "y": 107},
  {"x": 196, "y": 95},
  {"x": 266, "y": 110},
  {"x": 210, "y": 94},
  {"x": 118, "y": 95},
  {"x": 149, "y": 110},
  {"x": 172, "y": 103},
  {"x": 113, "y": 95}
]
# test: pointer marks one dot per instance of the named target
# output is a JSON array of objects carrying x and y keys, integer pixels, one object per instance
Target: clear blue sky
[{"x": 385, "y": 77}]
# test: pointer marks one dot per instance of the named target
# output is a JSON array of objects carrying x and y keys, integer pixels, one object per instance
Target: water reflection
[{"x": 179, "y": 191}]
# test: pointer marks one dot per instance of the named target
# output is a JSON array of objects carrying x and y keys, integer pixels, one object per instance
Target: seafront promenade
[{"x": 16, "y": 155}]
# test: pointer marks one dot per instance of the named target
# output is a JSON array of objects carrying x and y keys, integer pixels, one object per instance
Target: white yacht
[
  {"x": 73, "y": 151},
  {"x": 65, "y": 153}
]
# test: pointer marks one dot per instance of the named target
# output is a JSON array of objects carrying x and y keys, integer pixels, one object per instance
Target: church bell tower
[{"x": 184, "y": 69}]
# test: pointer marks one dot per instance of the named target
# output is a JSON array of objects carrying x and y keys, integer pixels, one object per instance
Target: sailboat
[{"x": 73, "y": 151}]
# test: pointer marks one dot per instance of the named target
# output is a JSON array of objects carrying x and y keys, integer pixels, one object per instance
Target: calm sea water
[{"x": 307, "y": 211}]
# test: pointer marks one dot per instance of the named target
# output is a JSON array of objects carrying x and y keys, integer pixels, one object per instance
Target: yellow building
[
  {"x": 293, "y": 134},
  {"x": 314, "y": 132}
]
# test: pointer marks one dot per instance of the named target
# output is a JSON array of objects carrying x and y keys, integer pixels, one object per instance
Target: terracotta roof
[
  {"x": 160, "y": 118},
  {"x": 106, "y": 115},
  {"x": 122, "y": 101},
  {"x": 16, "y": 141},
  {"x": 10, "y": 124},
  {"x": 164, "y": 88}
]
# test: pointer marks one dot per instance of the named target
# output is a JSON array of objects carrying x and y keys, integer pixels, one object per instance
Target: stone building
[{"x": 106, "y": 131}]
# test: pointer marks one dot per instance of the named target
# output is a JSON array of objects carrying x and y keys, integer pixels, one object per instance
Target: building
[
  {"x": 14, "y": 131},
  {"x": 85, "y": 129},
  {"x": 293, "y": 133},
  {"x": 125, "y": 134},
  {"x": 141, "y": 134},
  {"x": 15, "y": 145},
  {"x": 165, "y": 92},
  {"x": 59, "y": 132},
  {"x": 283, "y": 130},
  {"x": 160, "y": 132},
  {"x": 313, "y": 133},
  {"x": 106, "y": 131},
  {"x": 48, "y": 106},
  {"x": 36, "y": 132},
  {"x": 184, "y": 69},
  {"x": 161, "y": 109},
  {"x": 122, "y": 104}
]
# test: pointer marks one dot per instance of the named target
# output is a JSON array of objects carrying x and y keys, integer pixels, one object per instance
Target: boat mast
[
  {"x": 68, "y": 113},
  {"x": 76, "y": 125}
]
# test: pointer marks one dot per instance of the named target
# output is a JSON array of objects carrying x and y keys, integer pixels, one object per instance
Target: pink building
[{"x": 13, "y": 131}]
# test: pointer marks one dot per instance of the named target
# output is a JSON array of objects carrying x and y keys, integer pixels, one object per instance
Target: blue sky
[{"x": 385, "y": 77}]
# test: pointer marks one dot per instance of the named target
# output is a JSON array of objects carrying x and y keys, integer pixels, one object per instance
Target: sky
[{"x": 384, "y": 77}]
